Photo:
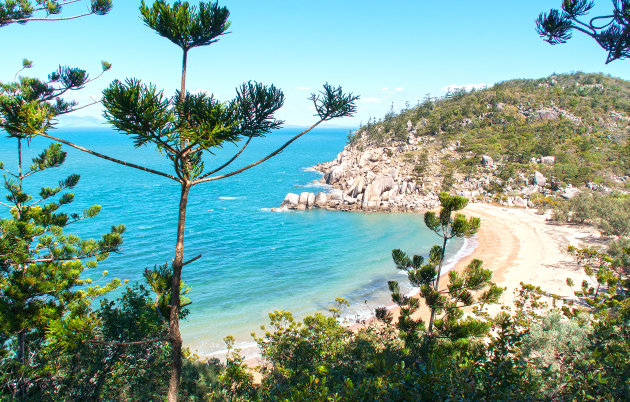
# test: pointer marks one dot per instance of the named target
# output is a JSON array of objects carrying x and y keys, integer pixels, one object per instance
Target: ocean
[{"x": 254, "y": 261}]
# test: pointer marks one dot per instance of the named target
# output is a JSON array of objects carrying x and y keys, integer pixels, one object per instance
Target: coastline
[
  {"x": 520, "y": 246},
  {"x": 516, "y": 244}
]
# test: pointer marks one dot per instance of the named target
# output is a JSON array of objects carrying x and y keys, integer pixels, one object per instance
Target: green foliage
[
  {"x": 22, "y": 11},
  {"x": 426, "y": 277},
  {"x": 121, "y": 356},
  {"x": 609, "y": 212},
  {"x": 445, "y": 225},
  {"x": 184, "y": 25},
  {"x": 187, "y": 128},
  {"x": 44, "y": 294},
  {"x": 29, "y": 106},
  {"x": 588, "y": 137},
  {"x": 609, "y": 31}
]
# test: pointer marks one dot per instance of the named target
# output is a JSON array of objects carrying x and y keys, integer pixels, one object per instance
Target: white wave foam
[
  {"x": 231, "y": 198},
  {"x": 470, "y": 244},
  {"x": 362, "y": 311},
  {"x": 249, "y": 350},
  {"x": 317, "y": 184}
]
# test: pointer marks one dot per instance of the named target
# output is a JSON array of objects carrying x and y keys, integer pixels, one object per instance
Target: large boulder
[
  {"x": 411, "y": 187},
  {"x": 334, "y": 196},
  {"x": 570, "y": 192},
  {"x": 531, "y": 190},
  {"x": 487, "y": 161},
  {"x": 310, "y": 200},
  {"x": 548, "y": 160},
  {"x": 538, "y": 179},
  {"x": 335, "y": 174},
  {"x": 403, "y": 187},
  {"x": 519, "y": 202},
  {"x": 357, "y": 188},
  {"x": 381, "y": 184},
  {"x": 291, "y": 201},
  {"x": 547, "y": 114},
  {"x": 303, "y": 201},
  {"x": 320, "y": 200}
]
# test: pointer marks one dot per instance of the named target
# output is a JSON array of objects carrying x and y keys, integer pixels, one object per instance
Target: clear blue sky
[{"x": 392, "y": 52}]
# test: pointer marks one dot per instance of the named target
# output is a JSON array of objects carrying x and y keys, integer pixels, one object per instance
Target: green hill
[{"x": 580, "y": 119}]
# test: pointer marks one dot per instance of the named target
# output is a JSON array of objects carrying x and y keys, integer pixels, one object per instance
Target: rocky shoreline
[{"x": 369, "y": 177}]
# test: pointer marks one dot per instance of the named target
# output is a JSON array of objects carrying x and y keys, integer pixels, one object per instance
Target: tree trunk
[
  {"x": 20, "y": 163},
  {"x": 175, "y": 335},
  {"x": 437, "y": 283},
  {"x": 182, "y": 93}
]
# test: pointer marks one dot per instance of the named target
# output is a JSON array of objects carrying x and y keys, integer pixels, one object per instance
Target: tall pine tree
[
  {"x": 186, "y": 127},
  {"x": 42, "y": 285}
]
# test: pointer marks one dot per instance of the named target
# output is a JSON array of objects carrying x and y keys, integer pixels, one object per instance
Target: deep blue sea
[{"x": 254, "y": 260}]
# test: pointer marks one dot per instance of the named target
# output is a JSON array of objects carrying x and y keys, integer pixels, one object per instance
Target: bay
[{"x": 253, "y": 260}]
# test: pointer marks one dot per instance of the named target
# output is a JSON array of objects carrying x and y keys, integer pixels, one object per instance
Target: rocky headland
[{"x": 516, "y": 152}]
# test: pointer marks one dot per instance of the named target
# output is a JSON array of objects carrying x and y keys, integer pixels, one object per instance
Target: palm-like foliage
[{"x": 185, "y": 25}]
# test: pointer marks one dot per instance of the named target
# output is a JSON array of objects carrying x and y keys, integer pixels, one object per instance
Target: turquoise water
[{"x": 254, "y": 260}]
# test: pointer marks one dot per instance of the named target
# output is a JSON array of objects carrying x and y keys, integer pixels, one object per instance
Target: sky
[{"x": 391, "y": 54}]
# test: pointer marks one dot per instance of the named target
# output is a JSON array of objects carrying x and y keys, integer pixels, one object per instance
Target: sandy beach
[{"x": 520, "y": 246}]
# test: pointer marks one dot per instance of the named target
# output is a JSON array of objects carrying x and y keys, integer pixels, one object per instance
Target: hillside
[{"x": 519, "y": 142}]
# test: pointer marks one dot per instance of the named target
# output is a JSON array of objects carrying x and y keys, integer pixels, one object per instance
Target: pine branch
[
  {"x": 226, "y": 164},
  {"x": 12, "y": 174},
  {"x": 77, "y": 108},
  {"x": 30, "y": 19},
  {"x": 274, "y": 153},
  {"x": 109, "y": 158},
  {"x": 129, "y": 343}
]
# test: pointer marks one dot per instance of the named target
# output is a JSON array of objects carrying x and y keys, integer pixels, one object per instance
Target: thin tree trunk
[
  {"x": 437, "y": 284},
  {"x": 21, "y": 336},
  {"x": 175, "y": 334},
  {"x": 182, "y": 93},
  {"x": 20, "y": 163},
  {"x": 21, "y": 350}
]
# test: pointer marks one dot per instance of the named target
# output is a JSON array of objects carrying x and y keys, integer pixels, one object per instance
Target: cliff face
[{"x": 518, "y": 143}]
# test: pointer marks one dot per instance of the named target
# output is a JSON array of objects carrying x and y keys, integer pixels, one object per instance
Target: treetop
[{"x": 185, "y": 25}]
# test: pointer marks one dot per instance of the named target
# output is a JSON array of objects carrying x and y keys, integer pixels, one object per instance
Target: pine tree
[
  {"x": 427, "y": 276},
  {"x": 41, "y": 266},
  {"x": 186, "y": 127},
  {"x": 43, "y": 293}
]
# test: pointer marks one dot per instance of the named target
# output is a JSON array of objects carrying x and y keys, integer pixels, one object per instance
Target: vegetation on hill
[{"x": 580, "y": 119}]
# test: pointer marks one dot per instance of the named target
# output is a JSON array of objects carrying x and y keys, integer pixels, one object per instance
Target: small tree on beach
[
  {"x": 427, "y": 276},
  {"x": 186, "y": 127},
  {"x": 449, "y": 302}
]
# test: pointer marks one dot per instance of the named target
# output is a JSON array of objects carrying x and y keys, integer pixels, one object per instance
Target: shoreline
[
  {"x": 516, "y": 244},
  {"x": 520, "y": 246}
]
